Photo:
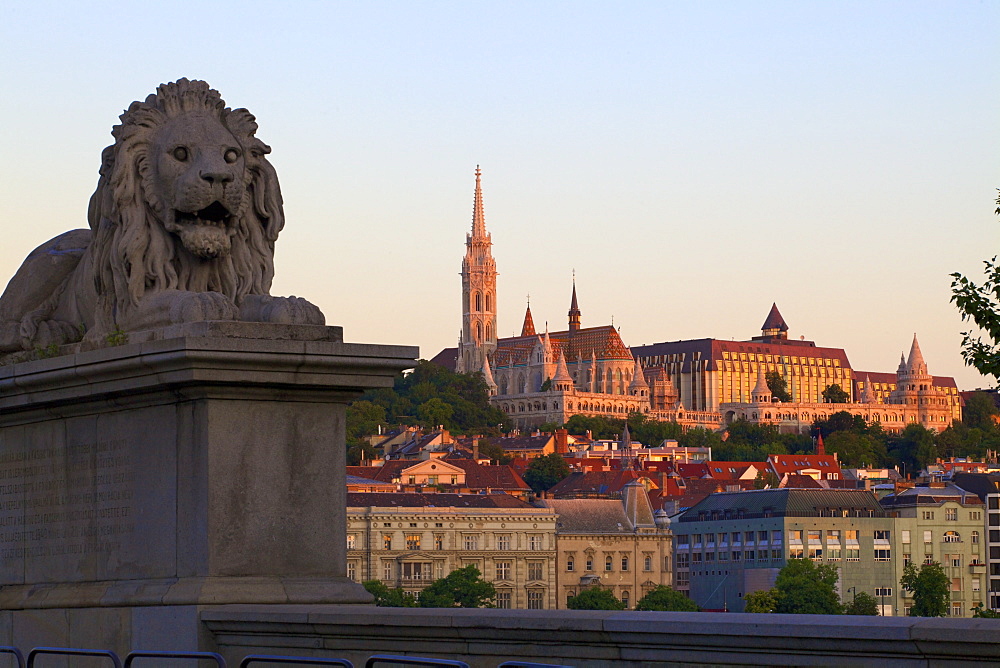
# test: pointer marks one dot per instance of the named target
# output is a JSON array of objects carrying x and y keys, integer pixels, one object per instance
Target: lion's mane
[{"x": 133, "y": 253}]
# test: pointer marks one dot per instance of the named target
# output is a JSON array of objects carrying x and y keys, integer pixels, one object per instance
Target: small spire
[
  {"x": 562, "y": 379},
  {"x": 761, "y": 393},
  {"x": 820, "y": 448},
  {"x": 638, "y": 379},
  {"x": 478, "y": 215},
  {"x": 488, "y": 375},
  {"x": 528, "y": 328},
  {"x": 574, "y": 309}
]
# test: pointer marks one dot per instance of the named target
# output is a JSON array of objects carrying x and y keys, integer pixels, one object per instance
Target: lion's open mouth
[{"x": 215, "y": 214}]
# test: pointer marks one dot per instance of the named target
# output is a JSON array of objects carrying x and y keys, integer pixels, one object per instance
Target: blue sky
[{"x": 693, "y": 162}]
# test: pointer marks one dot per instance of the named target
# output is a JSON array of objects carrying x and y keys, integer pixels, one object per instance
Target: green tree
[
  {"x": 807, "y": 589},
  {"x": 594, "y": 598},
  {"x": 435, "y": 412},
  {"x": 984, "y": 613},
  {"x": 494, "y": 452},
  {"x": 599, "y": 427},
  {"x": 389, "y": 598},
  {"x": 979, "y": 411},
  {"x": 664, "y": 598},
  {"x": 835, "y": 394},
  {"x": 766, "y": 480},
  {"x": 862, "y": 604},
  {"x": 979, "y": 304},
  {"x": 778, "y": 386},
  {"x": 543, "y": 472},
  {"x": 914, "y": 447},
  {"x": 855, "y": 449},
  {"x": 462, "y": 588},
  {"x": 764, "y": 600},
  {"x": 930, "y": 588}
]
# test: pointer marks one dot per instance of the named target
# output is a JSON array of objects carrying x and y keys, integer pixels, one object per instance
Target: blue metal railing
[
  {"x": 72, "y": 651},
  {"x": 15, "y": 652},
  {"x": 194, "y": 656},
  {"x": 413, "y": 661},
  {"x": 300, "y": 660}
]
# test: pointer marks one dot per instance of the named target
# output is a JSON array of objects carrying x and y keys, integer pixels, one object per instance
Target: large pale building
[
  {"x": 728, "y": 377},
  {"x": 409, "y": 540},
  {"x": 616, "y": 544}
]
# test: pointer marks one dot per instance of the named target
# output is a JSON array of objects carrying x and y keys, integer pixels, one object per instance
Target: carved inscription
[{"x": 66, "y": 501}]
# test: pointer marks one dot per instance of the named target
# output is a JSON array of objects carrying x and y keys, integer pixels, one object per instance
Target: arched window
[
  {"x": 489, "y": 332},
  {"x": 609, "y": 563},
  {"x": 489, "y": 301},
  {"x": 477, "y": 333},
  {"x": 478, "y": 299}
]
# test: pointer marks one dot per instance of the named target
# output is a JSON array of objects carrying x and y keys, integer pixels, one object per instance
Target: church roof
[
  {"x": 604, "y": 342},
  {"x": 528, "y": 328},
  {"x": 774, "y": 320}
]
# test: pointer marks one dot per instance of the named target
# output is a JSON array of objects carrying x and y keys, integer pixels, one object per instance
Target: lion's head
[{"x": 186, "y": 200}]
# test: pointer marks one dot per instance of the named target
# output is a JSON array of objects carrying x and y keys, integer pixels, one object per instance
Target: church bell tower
[{"x": 479, "y": 292}]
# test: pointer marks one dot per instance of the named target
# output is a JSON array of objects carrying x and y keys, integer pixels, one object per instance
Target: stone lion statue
[{"x": 182, "y": 228}]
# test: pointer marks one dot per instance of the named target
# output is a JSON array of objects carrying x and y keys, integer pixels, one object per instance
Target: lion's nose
[{"x": 213, "y": 176}]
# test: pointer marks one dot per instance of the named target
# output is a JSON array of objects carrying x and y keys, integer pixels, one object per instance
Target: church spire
[
  {"x": 574, "y": 309},
  {"x": 478, "y": 214},
  {"x": 528, "y": 328}
]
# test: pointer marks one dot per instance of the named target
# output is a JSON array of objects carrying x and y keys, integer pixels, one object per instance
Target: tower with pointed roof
[
  {"x": 479, "y": 292},
  {"x": 574, "y": 311},
  {"x": 774, "y": 327}
]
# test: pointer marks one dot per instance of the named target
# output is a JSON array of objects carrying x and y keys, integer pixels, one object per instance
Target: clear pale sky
[{"x": 693, "y": 162}]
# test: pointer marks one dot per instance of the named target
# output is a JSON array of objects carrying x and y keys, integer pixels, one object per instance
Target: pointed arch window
[
  {"x": 479, "y": 301},
  {"x": 489, "y": 302}
]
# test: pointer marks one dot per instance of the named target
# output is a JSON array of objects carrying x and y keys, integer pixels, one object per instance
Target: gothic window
[
  {"x": 477, "y": 336},
  {"x": 478, "y": 298},
  {"x": 489, "y": 332},
  {"x": 489, "y": 302}
]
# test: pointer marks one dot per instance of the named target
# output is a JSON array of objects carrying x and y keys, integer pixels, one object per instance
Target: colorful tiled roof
[{"x": 580, "y": 345}]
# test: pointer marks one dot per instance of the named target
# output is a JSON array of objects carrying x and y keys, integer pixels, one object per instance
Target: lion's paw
[
  {"x": 282, "y": 310},
  {"x": 197, "y": 306}
]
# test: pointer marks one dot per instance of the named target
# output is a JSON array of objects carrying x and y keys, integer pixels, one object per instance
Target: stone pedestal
[{"x": 197, "y": 465}]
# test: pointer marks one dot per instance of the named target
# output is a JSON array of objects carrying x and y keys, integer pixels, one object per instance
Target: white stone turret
[
  {"x": 562, "y": 381},
  {"x": 488, "y": 377},
  {"x": 638, "y": 387},
  {"x": 761, "y": 393}
]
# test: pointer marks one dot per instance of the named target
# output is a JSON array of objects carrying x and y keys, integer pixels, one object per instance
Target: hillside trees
[{"x": 835, "y": 394}]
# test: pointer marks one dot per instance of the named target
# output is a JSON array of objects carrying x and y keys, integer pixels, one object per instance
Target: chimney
[
  {"x": 562, "y": 441},
  {"x": 475, "y": 448}
]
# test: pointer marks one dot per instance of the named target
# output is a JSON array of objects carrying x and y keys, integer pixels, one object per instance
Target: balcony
[{"x": 977, "y": 567}]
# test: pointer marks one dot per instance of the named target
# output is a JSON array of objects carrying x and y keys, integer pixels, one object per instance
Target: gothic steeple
[
  {"x": 528, "y": 328},
  {"x": 479, "y": 290},
  {"x": 574, "y": 310}
]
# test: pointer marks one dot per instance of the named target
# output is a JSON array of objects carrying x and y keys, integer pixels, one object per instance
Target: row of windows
[
  {"x": 946, "y": 537},
  {"x": 738, "y": 537},
  {"x": 415, "y": 541},
  {"x": 609, "y": 563}
]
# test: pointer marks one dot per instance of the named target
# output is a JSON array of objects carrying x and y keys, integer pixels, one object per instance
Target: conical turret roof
[
  {"x": 761, "y": 392},
  {"x": 774, "y": 320},
  {"x": 916, "y": 361},
  {"x": 562, "y": 373},
  {"x": 638, "y": 378},
  {"x": 488, "y": 373},
  {"x": 528, "y": 328}
]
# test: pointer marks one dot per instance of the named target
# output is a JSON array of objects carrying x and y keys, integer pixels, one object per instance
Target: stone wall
[{"x": 485, "y": 638}]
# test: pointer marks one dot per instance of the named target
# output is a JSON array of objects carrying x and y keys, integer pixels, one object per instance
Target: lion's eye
[
  {"x": 181, "y": 153},
  {"x": 231, "y": 155}
]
